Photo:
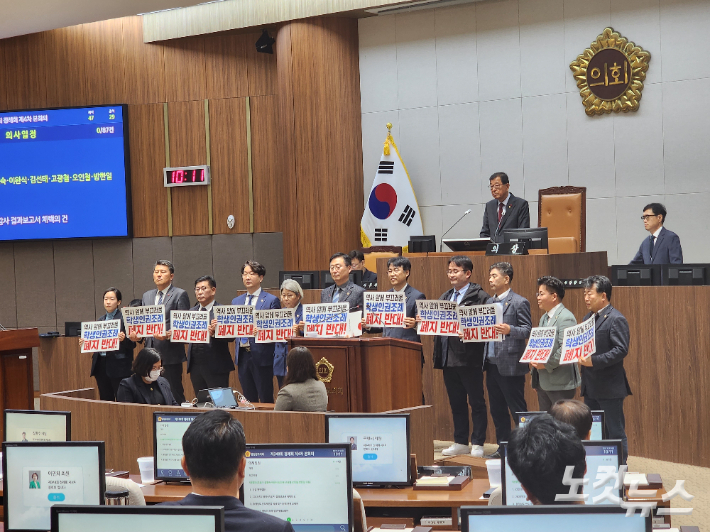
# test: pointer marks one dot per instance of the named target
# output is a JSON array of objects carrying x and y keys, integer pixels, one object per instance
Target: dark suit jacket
[
  {"x": 174, "y": 299},
  {"x": 368, "y": 276},
  {"x": 352, "y": 293},
  {"x": 131, "y": 391},
  {"x": 118, "y": 363},
  {"x": 217, "y": 357},
  {"x": 462, "y": 354},
  {"x": 262, "y": 354},
  {"x": 667, "y": 250},
  {"x": 517, "y": 216},
  {"x": 606, "y": 379},
  {"x": 237, "y": 518},
  {"x": 281, "y": 348},
  {"x": 516, "y": 313},
  {"x": 412, "y": 294}
]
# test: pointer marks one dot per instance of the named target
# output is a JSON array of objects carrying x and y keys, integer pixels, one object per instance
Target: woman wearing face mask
[{"x": 146, "y": 386}]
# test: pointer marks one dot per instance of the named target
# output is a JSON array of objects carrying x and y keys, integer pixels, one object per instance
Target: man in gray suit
[
  {"x": 551, "y": 381},
  {"x": 504, "y": 211},
  {"x": 505, "y": 376},
  {"x": 604, "y": 382},
  {"x": 344, "y": 290},
  {"x": 171, "y": 354}
]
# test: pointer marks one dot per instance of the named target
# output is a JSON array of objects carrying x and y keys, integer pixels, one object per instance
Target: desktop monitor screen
[
  {"x": 535, "y": 237},
  {"x": 601, "y": 455},
  {"x": 574, "y": 517},
  {"x": 379, "y": 446},
  {"x": 636, "y": 275},
  {"x": 137, "y": 518},
  {"x": 37, "y": 425},
  {"x": 168, "y": 428},
  {"x": 598, "y": 431},
  {"x": 309, "y": 280},
  {"x": 222, "y": 397},
  {"x": 309, "y": 485},
  {"x": 38, "y": 475}
]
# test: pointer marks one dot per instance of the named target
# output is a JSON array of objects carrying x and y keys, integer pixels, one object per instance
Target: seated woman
[
  {"x": 302, "y": 390},
  {"x": 291, "y": 295},
  {"x": 146, "y": 386}
]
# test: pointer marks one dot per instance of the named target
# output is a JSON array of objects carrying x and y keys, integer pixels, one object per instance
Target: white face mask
[{"x": 153, "y": 375}]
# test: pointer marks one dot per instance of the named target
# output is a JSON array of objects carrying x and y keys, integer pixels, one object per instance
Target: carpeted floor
[{"x": 697, "y": 483}]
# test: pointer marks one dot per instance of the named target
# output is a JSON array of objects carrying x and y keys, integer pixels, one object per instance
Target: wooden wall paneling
[
  {"x": 225, "y": 67},
  {"x": 105, "y": 62},
  {"x": 8, "y": 310},
  {"x": 328, "y": 145},
  {"x": 192, "y": 257},
  {"x": 25, "y": 76},
  {"x": 261, "y": 67},
  {"x": 144, "y": 78},
  {"x": 67, "y": 58},
  {"x": 228, "y": 164},
  {"x": 3, "y": 86},
  {"x": 147, "y": 159},
  {"x": 186, "y": 126},
  {"x": 185, "y": 69},
  {"x": 145, "y": 252}
]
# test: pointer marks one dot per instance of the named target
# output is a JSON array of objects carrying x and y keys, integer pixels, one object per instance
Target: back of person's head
[
  {"x": 299, "y": 366},
  {"x": 538, "y": 454},
  {"x": 574, "y": 413},
  {"x": 357, "y": 254},
  {"x": 144, "y": 361},
  {"x": 214, "y": 445}
]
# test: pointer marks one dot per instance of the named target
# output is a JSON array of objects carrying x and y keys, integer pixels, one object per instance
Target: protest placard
[
  {"x": 234, "y": 321},
  {"x": 385, "y": 309},
  {"x": 539, "y": 346},
  {"x": 144, "y": 321},
  {"x": 326, "y": 320},
  {"x": 578, "y": 342},
  {"x": 275, "y": 325},
  {"x": 438, "y": 318},
  {"x": 190, "y": 326},
  {"x": 478, "y": 323},
  {"x": 100, "y": 335}
]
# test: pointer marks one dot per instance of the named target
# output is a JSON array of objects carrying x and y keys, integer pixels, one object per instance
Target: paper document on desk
[{"x": 434, "y": 481}]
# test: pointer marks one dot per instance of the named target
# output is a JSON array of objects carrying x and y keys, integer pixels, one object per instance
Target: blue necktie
[
  {"x": 336, "y": 295},
  {"x": 160, "y": 298},
  {"x": 245, "y": 341},
  {"x": 250, "y": 298}
]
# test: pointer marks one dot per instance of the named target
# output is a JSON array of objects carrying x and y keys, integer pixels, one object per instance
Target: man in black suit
[
  {"x": 209, "y": 365},
  {"x": 504, "y": 211},
  {"x": 357, "y": 260},
  {"x": 663, "y": 246},
  {"x": 344, "y": 290},
  {"x": 173, "y": 298},
  {"x": 213, "y": 449},
  {"x": 604, "y": 382},
  {"x": 462, "y": 364}
]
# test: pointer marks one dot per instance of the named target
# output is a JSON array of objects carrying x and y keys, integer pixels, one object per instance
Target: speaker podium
[{"x": 367, "y": 374}]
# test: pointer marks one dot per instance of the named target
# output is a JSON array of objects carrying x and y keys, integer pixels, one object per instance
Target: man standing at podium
[
  {"x": 504, "y": 211},
  {"x": 462, "y": 364},
  {"x": 663, "y": 246}
]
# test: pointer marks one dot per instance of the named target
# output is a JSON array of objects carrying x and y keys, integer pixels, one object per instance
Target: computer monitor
[
  {"x": 37, "y": 425},
  {"x": 598, "y": 427},
  {"x": 576, "y": 517},
  {"x": 685, "y": 274},
  {"x": 67, "y": 518},
  {"x": 72, "y": 328},
  {"x": 38, "y": 475},
  {"x": 534, "y": 237},
  {"x": 222, "y": 397},
  {"x": 636, "y": 275},
  {"x": 422, "y": 244},
  {"x": 379, "y": 446},
  {"x": 168, "y": 428},
  {"x": 308, "y": 484},
  {"x": 326, "y": 279},
  {"x": 467, "y": 244},
  {"x": 309, "y": 280},
  {"x": 605, "y": 453}
]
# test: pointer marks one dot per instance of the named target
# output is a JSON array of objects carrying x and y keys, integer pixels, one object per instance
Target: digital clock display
[{"x": 186, "y": 176}]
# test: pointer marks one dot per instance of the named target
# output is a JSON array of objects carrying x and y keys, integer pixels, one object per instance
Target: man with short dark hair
[
  {"x": 173, "y": 298},
  {"x": 539, "y": 453},
  {"x": 505, "y": 375},
  {"x": 504, "y": 211},
  {"x": 209, "y": 365},
  {"x": 255, "y": 362},
  {"x": 663, "y": 246},
  {"x": 213, "y": 457},
  {"x": 344, "y": 290},
  {"x": 357, "y": 261},
  {"x": 574, "y": 413},
  {"x": 462, "y": 364},
  {"x": 604, "y": 382}
]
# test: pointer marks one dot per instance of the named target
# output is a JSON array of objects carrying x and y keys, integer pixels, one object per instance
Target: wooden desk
[{"x": 162, "y": 492}]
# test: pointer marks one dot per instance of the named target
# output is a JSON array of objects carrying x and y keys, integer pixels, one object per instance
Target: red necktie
[{"x": 500, "y": 211}]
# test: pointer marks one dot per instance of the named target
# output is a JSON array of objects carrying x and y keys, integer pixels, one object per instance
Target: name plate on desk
[{"x": 507, "y": 248}]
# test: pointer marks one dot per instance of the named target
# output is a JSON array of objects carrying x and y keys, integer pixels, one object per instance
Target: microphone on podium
[{"x": 441, "y": 244}]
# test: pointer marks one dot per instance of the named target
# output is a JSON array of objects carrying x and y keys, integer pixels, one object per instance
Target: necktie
[
  {"x": 336, "y": 295},
  {"x": 160, "y": 298},
  {"x": 202, "y": 309},
  {"x": 545, "y": 319},
  {"x": 653, "y": 242},
  {"x": 249, "y": 297},
  {"x": 500, "y": 211}
]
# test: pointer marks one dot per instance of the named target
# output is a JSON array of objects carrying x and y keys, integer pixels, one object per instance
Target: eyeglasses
[
  {"x": 453, "y": 272},
  {"x": 647, "y": 216},
  {"x": 203, "y": 288},
  {"x": 336, "y": 267},
  {"x": 497, "y": 186}
]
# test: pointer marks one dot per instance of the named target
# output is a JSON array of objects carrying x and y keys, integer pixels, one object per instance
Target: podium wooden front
[
  {"x": 17, "y": 389},
  {"x": 368, "y": 374}
]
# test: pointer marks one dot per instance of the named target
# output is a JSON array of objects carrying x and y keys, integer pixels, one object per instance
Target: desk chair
[{"x": 563, "y": 210}]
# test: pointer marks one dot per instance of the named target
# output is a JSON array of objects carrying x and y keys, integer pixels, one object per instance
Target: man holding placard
[
  {"x": 462, "y": 364},
  {"x": 209, "y": 365},
  {"x": 505, "y": 376},
  {"x": 551, "y": 380},
  {"x": 604, "y": 382}
]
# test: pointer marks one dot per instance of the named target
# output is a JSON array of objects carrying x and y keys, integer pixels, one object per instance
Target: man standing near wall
[{"x": 504, "y": 211}]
